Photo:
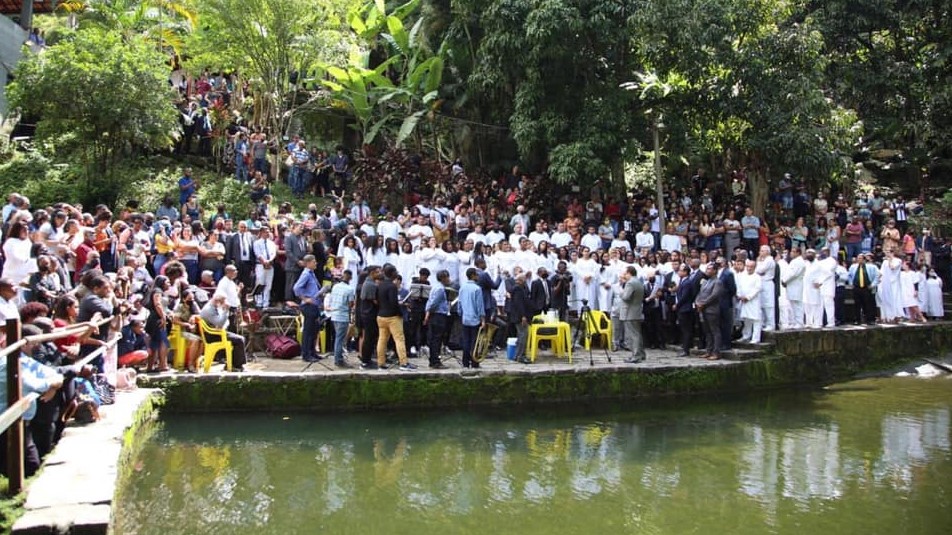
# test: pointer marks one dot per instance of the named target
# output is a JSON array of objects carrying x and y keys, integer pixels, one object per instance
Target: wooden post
[{"x": 15, "y": 432}]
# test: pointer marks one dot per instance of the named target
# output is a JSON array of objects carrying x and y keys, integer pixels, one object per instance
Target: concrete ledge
[
  {"x": 786, "y": 358},
  {"x": 73, "y": 493}
]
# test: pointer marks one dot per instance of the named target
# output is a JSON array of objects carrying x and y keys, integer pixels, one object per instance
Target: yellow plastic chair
[
  {"x": 177, "y": 343},
  {"x": 214, "y": 341},
  {"x": 539, "y": 332},
  {"x": 600, "y": 325},
  {"x": 299, "y": 326}
]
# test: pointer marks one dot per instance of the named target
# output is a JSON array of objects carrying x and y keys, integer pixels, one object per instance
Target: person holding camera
[{"x": 561, "y": 284}]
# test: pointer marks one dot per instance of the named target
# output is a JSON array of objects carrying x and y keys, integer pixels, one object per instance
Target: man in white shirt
[
  {"x": 644, "y": 240},
  {"x": 793, "y": 281},
  {"x": 228, "y": 288},
  {"x": 749, "y": 287},
  {"x": 265, "y": 252},
  {"x": 767, "y": 268},
  {"x": 368, "y": 227},
  {"x": 418, "y": 231},
  {"x": 813, "y": 279},
  {"x": 388, "y": 228},
  {"x": 515, "y": 239},
  {"x": 621, "y": 242},
  {"x": 591, "y": 240},
  {"x": 477, "y": 235},
  {"x": 828, "y": 288},
  {"x": 494, "y": 235},
  {"x": 539, "y": 235},
  {"x": 560, "y": 238},
  {"x": 520, "y": 218},
  {"x": 359, "y": 210}
]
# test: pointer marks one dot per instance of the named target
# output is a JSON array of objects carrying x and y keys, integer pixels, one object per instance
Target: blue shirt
[
  {"x": 338, "y": 304},
  {"x": 306, "y": 286},
  {"x": 437, "y": 303},
  {"x": 750, "y": 233},
  {"x": 471, "y": 304},
  {"x": 35, "y": 378},
  {"x": 189, "y": 190}
]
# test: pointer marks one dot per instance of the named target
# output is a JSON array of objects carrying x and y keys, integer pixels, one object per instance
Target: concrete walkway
[{"x": 74, "y": 491}]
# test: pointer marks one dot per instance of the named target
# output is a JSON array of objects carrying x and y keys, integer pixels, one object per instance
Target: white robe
[
  {"x": 907, "y": 288},
  {"x": 935, "y": 306},
  {"x": 585, "y": 290},
  {"x": 607, "y": 277},
  {"x": 749, "y": 285},
  {"x": 888, "y": 293}
]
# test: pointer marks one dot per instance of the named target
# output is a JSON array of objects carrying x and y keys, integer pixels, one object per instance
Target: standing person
[
  {"x": 708, "y": 305},
  {"x": 437, "y": 317},
  {"x": 729, "y": 284},
  {"x": 520, "y": 315},
  {"x": 540, "y": 292},
  {"x": 812, "y": 281},
  {"x": 242, "y": 153},
  {"x": 767, "y": 269},
  {"x": 751, "y": 232},
  {"x": 239, "y": 252},
  {"x": 793, "y": 281},
  {"x": 888, "y": 294},
  {"x": 651, "y": 309},
  {"x": 188, "y": 185},
  {"x": 339, "y": 305},
  {"x": 295, "y": 249},
  {"x": 828, "y": 287},
  {"x": 864, "y": 278},
  {"x": 307, "y": 289},
  {"x": 749, "y": 286},
  {"x": 631, "y": 313},
  {"x": 561, "y": 286},
  {"x": 473, "y": 314},
  {"x": 390, "y": 320},
  {"x": 265, "y": 251},
  {"x": 367, "y": 311},
  {"x": 684, "y": 306},
  {"x": 96, "y": 302}
]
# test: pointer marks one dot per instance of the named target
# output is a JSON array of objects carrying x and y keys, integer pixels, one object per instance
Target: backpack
[
  {"x": 84, "y": 407},
  {"x": 281, "y": 346}
]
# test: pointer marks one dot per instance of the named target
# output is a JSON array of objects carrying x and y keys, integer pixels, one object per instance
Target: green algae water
[{"x": 865, "y": 457}]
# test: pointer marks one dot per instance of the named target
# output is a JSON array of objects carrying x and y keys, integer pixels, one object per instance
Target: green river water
[{"x": 866, "y": 457}]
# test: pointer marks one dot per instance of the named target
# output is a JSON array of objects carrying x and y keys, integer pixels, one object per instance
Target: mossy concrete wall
[{"x": 798, "y": 358}]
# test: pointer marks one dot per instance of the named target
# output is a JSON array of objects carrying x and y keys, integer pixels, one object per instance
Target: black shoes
[
  {"x": 368, "y": 365},
  {"x": 634, "y": 360},
  {"x": 438, "y": 366}
]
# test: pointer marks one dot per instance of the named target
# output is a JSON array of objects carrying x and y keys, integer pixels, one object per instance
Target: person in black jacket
[
  {"x": 540, "y": 293},
  {"x": 520, "y": 314},
  {"x": 726, "y": 303},
  {"x": 684, "y": 306}
]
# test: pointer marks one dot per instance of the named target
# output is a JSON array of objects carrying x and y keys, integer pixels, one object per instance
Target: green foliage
[{"x": 108, "y": 95}]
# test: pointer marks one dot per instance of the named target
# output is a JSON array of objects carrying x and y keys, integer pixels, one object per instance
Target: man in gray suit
[
  {"x": 631, "y": 313},
  {"x": 295, "y": 248},
  {"x": 707, "y": 303}
]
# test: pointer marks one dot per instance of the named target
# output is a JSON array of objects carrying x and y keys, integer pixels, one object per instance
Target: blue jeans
[
  {"x": 191, "y": 268},
  {"x": 340, "y": 336},
  {"x": 241, "y": 169},
  {"x": 852, "y": 249},
  {"x": 312, "y": 314},
  {"x": 468, "y": 341}
]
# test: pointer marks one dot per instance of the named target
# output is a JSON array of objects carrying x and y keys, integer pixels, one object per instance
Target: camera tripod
[{"x": 583, "y": 332}]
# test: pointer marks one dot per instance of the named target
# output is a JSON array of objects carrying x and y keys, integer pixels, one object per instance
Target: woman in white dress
[
  {"x": 547, "y": 258},
  {"x": 451, "y": 263},
  {"x": 406, "y": 265},
  {"x": 352, "y": 259},
  {"x": 888, "y": 294},
  {"x": 465, "y": 258},
  {"x": 833, "y": 240},
  {"x": 376, "y": 254},
  {"x": 607, "y": 277},
  {"x": 430, "y": 256},
  {"x": 586, "y": 279},
  {"x": 934, "y": 290},
  {"x": 909, "y": 292}
]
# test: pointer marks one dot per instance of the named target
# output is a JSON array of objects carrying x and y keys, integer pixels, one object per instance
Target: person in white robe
[
  {"x": 909, "y": 292},
  {"x": 767, "y": 269},
  {"x": 793, "y": 283},
  {"x": 828, "y": 265},
  {"x": 783, "y": 303},
  {"x": 749, "y": 287},
  {"x": 936, "y": 308},
  {"x": 813, "y": 277},
  {"x": 888, "y": 293},
  {"x": 586, "y": 279}
]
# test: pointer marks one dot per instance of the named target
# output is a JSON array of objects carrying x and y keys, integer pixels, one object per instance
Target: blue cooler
[{"x": 511, "y": 348}]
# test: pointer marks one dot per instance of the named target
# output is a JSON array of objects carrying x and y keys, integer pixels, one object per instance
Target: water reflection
[{"x": 621, "y": 471}]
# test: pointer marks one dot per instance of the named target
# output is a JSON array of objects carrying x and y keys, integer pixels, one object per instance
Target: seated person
[
  {"x": 133, "y": 347},
  {"x": 216, "y": 313},
  {"x": 184, "y": 316}
]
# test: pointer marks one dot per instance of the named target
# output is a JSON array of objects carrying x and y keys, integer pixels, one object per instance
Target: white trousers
[
  {"x": 796, "y": 314},
  {"x": 828, "y": 308},
  {"x": 814, "y": 314},
  {"x": 769, "y": 317},
  {"x": 263, "y": 277},
  {"x": 752, "y": 329}
]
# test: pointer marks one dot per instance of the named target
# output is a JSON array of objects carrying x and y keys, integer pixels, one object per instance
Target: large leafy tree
[{"x": 102, "y": 94}]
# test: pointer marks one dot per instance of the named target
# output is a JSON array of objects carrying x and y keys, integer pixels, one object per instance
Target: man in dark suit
[
  {"x": 520, "y": 315},
  {"x": 726, "y": 303},
  {"x": 239, "y": 252},
  {"x": 487, "y": 284},
  {"x": 707, "y": 304},
  {"x": 541, "y": 293},
  {"x": 295, "y": 248},
  {"x": 631, "y": 313},
  {"x": 684, "y": 307}
]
